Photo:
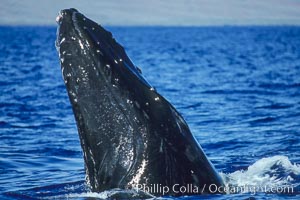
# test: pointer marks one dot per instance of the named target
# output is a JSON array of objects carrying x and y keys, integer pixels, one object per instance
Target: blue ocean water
[{"x": 237, "y": 87}]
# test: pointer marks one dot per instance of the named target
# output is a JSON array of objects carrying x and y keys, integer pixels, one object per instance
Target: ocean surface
[{"x": 237, "y": 87}]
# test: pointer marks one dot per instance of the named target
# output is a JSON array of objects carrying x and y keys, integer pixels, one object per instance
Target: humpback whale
[{"x": 129, "y": 133}]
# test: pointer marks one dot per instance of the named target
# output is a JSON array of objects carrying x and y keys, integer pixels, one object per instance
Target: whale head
[{"x": 129, "y": 133}]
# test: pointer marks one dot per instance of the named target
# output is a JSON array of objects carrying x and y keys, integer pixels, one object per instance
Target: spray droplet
[
  {"x": 62, "y": 40},
  {"x": 99, "y": 52},
  {"x": 156, "y": 98},
  {"x": 128, "y": 101},
  {"x": 72, "y": 93}
]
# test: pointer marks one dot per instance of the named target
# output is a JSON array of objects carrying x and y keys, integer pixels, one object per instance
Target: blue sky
[{"x": 156, "y": 12}]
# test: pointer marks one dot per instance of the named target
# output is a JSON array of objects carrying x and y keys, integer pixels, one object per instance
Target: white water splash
[
  {"x": 102, "y": 195},
  {"x": 271, "y": 172},
  {"x": 113, "y": 194}
]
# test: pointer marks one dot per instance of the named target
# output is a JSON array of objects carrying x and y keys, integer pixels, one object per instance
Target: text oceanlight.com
[{"x": 212, "y": 188}]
